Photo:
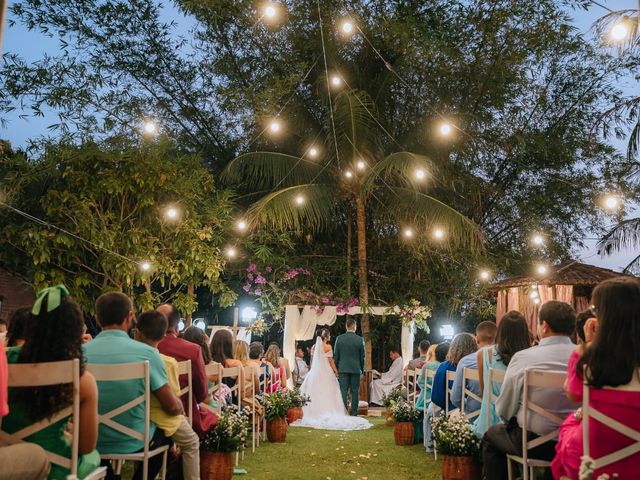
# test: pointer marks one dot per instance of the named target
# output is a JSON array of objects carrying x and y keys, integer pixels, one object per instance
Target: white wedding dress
[{"x": 326, "y": 410}]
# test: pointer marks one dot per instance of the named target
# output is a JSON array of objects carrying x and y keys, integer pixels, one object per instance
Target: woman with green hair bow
[{"x": 54, "y": 333}]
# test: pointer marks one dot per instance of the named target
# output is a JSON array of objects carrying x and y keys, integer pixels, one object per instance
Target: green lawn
[{"x": 322, "y": 455}]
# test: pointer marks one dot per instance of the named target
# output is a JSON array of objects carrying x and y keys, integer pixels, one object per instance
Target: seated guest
[
  {"x": 182, "y": 350},
  {"x": 241, "y": 353},
  {"x": 17, "y": 325},
  {"x": 256, "y": 352},
  {"x": 610, "y": 353},
  {"x": 150, "y": 330},
  {"x": 513, "y": 336},
  {"x": 114, "y": 313},
  {"x": 222, "y": 353},
  {"x": 581, "y": 321},
  {"x": 54, "y": 333},
  {"x": 21, "y": 461},
  {"x": 280, "y": 365},
  {"x": 557, "y": 322},
  {"x": 426, "y": 383},
  {"x": 300, "y": 369},
  {"x": 387, "y": 381},
  {"x": 420, "y": 360},
  {"x": 463, "y": 344},
  {"x": 485, "y": 336}
]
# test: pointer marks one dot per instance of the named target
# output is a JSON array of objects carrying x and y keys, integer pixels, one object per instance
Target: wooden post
[{"x": 235, "y": 327}]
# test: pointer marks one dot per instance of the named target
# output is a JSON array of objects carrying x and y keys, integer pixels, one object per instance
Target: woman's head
[
  {"x": 17, "y": 325},
  {"x": 431, "y": 353},
  {"x": 581, "y": 320},
  {"x": 462, "y": 345},
  {"x": 52, "y": 336},
  {"x": 241, "y": 351},
  {"x": 325, "y": 334},
  {"x": 222, "y": 346},
  {"x": 513, "y": 336},
  {"x": 273, "y": 354},
  {"x": 614, "y": 354},
  {"x": 195, "y": 335}
]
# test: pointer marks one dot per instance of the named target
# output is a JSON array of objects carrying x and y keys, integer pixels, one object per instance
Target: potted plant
[
  {"x": 218, "y": 446},
  {"x": 459, "y": 446},
  {"x": 297, "y": 400},
  {"x": 276, "y": 405},
  {"x": 389, "y": 401},
  {"x": 404, "y": 414}
]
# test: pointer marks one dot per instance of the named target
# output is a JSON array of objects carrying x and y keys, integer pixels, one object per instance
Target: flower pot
[
  {"x": 404, "y": 433},
  {"x": 277, "y": 430},
  {"x": 460, "y": 468},
  {"x": 294, "y": 414},
  {"x": 389, "y": 417},
  {"x": 216, "y": 465}
]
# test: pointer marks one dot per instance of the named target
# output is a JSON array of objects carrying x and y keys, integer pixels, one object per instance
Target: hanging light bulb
[
  {"x": 145, "y": 266},
  {"x": 347, "y": 26},
  {"x": 150, "y": 127},
  {"x": 348, "y": 174},
  {"x": 420, "y": 174},
  {"x": 361, "y": 165},
  {"x": 313, "y": 152},
  {"x": 445, "y": 129},
  {"x": 538, "y": 240},
  {"x": 438, "y": 234},
  {"x": 171, "y": 213},
  {"x": 620, "y": 31},
  {"x": 611, "y": 202},
  {"x": 299, "y": 200},
  {"x": 485, "y": 275},
  {"x": 336, "y": 81},
  {"x": 408, "y": 232},
  {"x": 231, "y": 252},
  {"x": 275, "y": 126},
  {"x": 270, "y": 11},
  {"x": 241, "y": 225},
  {"x": 542, "y": 269}
]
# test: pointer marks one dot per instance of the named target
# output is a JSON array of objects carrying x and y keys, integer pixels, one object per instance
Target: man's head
[
  {"x": 172, "y": 314},
  {"x": 486, "y": 333},
  {"x": 299, "y": 352},
  {"x": 394, "y": 353},
  {"x": 351, "y": 325},
  {"x": 256, "y": 351},
  {"x": 114, "y": 311},
  {"x": 151, "y": 327},
  {"x": 423, "y": 347},
  {"x": 556, "y": 319}
]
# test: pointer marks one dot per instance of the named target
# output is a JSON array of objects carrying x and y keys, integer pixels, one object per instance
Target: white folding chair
[
  {"x": 451, "y": 376},
  {"x": 44, "y": 374},
  {"x": 213, "y": 369},
  {"x": 234, "y": 373},
  {"x": 263, "y": 382},
  {"x": 250, "y": 392},
  {"x": 428, "y": 374},
  {"x": 410, "y": 380},
  {"x": 536, "y": 379},
  {"x": 119, "y": 373},
  {"x": 473, "y": 375},
  {"x": 495, "y": 376},
  {"x": 591, "y": 412},
  {"x": 184, "y": 368}
]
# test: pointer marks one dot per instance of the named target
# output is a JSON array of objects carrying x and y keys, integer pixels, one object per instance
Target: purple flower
[
  {"x": 325, "y": 300},
  {"x": 258, "y": 292},
  {"x": 269, "y": 269},
  {"x": 246, "y": 288},
  {"x": 252, "y": 267},
  {"x": 260, "y": 280},
  {"x": 308, "y": 294},
  {"x": 250, "y": 277}
]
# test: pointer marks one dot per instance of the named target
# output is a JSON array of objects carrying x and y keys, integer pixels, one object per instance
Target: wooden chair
[
  {"x": 451, "y": 376},
  {"x": 473, "y": 375},
  {"x": 213, "y": 369},
  {"x": 119, "y": 373},
  {"x": 495, "y": 376},
  {"x": 184, "y": 368},
  {"x": 47, "y": 374},
  {"x": 237, "y": 374},
  {"x": 250, "y": 393},
  {"x": 428, "y": 374},
  {"x": 410, "y": 380},
  {"x": 536, "y": 379},
  {"x": 263, "y": 382},
  {"x": 591, "y": 414}
]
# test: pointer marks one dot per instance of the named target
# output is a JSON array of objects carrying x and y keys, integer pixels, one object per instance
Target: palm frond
[
  {"x": 401, "y": 166},
  {"x": 424, "y": 213},
  {"x": 265, "y": 170},
  {"x": 624, "y": 235},
  {"x": 356, "y": 128},
  {"x": 281, "y": 210}
]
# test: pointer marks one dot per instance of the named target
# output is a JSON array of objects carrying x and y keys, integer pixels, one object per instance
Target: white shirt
[
  {"x": 300, "y": 370},
  {"x": 394, "y": 375},
  {"x": 551, "y": 354}
]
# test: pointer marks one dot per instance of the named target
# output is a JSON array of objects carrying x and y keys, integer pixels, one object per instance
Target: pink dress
[{"x": 623, "y": 407}]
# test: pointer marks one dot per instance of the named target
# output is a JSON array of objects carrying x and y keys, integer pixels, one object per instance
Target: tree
[
  {"x": 310, "y": 195},
  {"x": 95, "y": 213}
]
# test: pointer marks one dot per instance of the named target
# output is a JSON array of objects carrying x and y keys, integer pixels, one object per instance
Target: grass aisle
[{"x": 323, "y": 454}]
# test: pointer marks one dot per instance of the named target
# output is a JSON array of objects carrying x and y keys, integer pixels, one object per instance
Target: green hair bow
[{"x": 55, "y": 297}]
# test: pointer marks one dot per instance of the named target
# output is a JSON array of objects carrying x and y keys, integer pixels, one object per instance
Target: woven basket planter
[
  {"x": 216, "y": 465},
  {"x": 294, "y": 414},
  {"x": 277, "y": 430},
  {"x": 404, "y": 433},
  {"x": 460, "y": 468}
]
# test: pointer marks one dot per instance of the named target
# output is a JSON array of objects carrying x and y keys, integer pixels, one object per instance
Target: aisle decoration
[
  {"x": 296, "y": 401},
  {"x": 389, "y": 401},
  {"x": 459, "y": 446},
  {"x": 412, "y": 314},
  {"x": 276, "y": 405},
  {"x": 221, "y": 442},
  {"x": 404, "y": 414}
]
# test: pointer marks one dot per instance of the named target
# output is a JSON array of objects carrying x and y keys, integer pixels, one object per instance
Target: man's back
[
  {"x": 552, "y": 354},
  {"x": 114, "y": 347},
  {"x": 349, "y": 353}
]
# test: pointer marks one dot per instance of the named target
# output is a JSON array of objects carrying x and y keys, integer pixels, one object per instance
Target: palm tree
[{"x": 299, "y": 193}]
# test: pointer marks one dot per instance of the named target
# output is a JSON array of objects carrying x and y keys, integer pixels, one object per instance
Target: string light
[
  {"x": 150, "y": 127},
  {"x": 538, "y": 240},
  {"x": 299, "y": 200},
  {"x": 145, "y": 266},
  {"x": 231, "y": 252},
  {"x": 313, "y": 152},
  {"x": 438, "y": 234},
  {"x": 611, "y": 202},
  {"x": 408, "y": 233},
  {"x": 336, "y": 81},
  {"x": 347, "y": 26},
  {"x": 420, "y": 174},
  {"x": 171, "y": 213},
  {"x": 270, "y": 11},
  {"x": 485, "y": 275},
  {"x": 542, "y": 269},
  {"x": 445, "y": 129},
  {"x": 241, "y": 225},
  {"x": 361, "y": 165},
  {"x": 348, "y": 174},
  {"x": 620, "y": 31},
  {"x": 275, "y": 126}
]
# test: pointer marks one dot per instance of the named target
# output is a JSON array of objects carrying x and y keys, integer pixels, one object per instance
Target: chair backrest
[
  {"x": 495, "y": 376},
  {"x": 249, "y": 383},
  {"x": 547, "y": 379},
  {"x": 410, "y": 380},
  {"x": 450, "y": 377},
  {"x": 118, "y": 373},
  {"x": 473, "y": 375},
  {"x": 263, "y": 380},
  {"x": 42, "y": 375},
  {"x": 184, "y": 368},
  {"x": 592, "y": 414},
  {"x": 428, "y": 386},
  {"x": 237, "y": 374}
]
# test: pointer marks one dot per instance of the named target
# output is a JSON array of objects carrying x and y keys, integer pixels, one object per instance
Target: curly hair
[
  {"x": 462, "y": 345},
  {"x": 51, "y": 337},
  {"x": 195, "y": 335}
]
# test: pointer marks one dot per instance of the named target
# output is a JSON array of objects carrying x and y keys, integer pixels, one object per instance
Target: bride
[{"x": 326, "y": 410}]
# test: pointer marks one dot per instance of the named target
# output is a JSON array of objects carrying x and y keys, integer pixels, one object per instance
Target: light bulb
[
  {"x": 420, "y": 174},
  {"x": 275, "y": 126},
  {"x": 537, "y": 240},
  {"x": 612, "y": 202},
  {"x": 241, "y": 225},
  {"x": 313, "y": 152},
  {"x": 270, "y": 11},
  {"x": 619, "y": 32},
  {"x": 172, "y": 213},
  {"x": 438, "y": 233},
  {"x": 299, "y": 200},
  {"x": 534, "y": 294},
  {"x": 347, "y": 26},
  {"x": 336, "y": 81},
  {"x": 361, "y": 165},
  {"x": 485, "y": 275},
  {"x": 542, "y": 269},
  {"x": 445, "y": 129},
  {"x": 348, "y": 174},
  {"x": 408, "y": 232},
  {"x": 231, "y": 252},
  {"x": 150, "y": 127},
  {"x": 145, "y": 266}
]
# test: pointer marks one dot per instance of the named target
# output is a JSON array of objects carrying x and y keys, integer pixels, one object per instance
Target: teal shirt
[
  {"x": 424, "y": 382},
  {"x": 112, "y": 347}
]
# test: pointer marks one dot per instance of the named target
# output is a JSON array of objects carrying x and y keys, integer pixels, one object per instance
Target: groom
[{"x": 348, "y": 355}]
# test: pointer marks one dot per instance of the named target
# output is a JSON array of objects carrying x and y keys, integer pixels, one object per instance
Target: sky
[{"x": 32, "y": 46}]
